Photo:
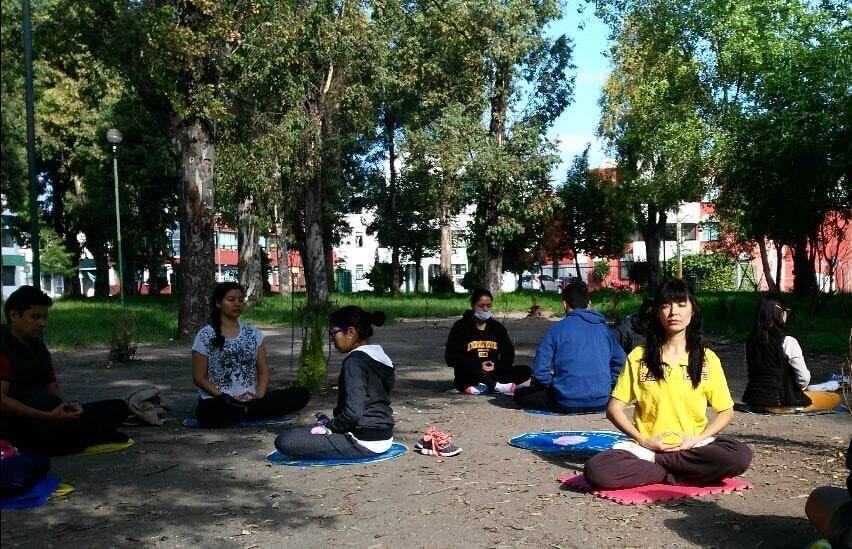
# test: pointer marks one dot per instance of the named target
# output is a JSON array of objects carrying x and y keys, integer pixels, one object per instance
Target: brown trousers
[{"x": 707, "y": 465}]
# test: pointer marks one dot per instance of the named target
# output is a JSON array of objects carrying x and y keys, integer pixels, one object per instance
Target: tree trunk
[
  {"x": 418, "y": 269},
  {"x": 577, "y": 263},
  {"x": 779, "y": 264},
  {"x": 493, "y": 251},
  {"x": 764, "y": 262},
  {"x": 197, "y": 148},
  {"x": 313, "y": 256},
  {"x": 652, "y": 231},
  {"x": 446, "y": 258},
  {"x": 390, "y": 143},
  {"x": 101, "y": 269},
  {"x": 249, "y": 263},
  {"x": 283, "y": 260},
  {"x": 804, "y": 281}
]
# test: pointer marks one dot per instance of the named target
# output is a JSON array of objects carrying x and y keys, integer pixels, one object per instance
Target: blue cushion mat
[
  {"x": 36, "y": 497},
  {"x": 553, "y": 413},
  {"x": 256, "y": 422},
  {"x": 396, "y": 450},
  {"x": 567, "y": 442}
]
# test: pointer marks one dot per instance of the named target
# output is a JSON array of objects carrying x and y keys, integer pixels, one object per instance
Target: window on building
[
  {"x": 434, "y": 271},
  {"x": 227, "y": 241},
  {"x": 687, "y": 231},
  {"x": 8, "y": 241},
  {"x": 359, "y": 272},
  {"x": 359, "y": 240},
  {"x": 8, "y": 275},
  {"x": 710, "y": 231},
  {"x": 459, "y": 270}
]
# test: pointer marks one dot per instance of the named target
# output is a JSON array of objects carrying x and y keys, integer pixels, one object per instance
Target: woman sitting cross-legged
[
  {"x": 229, "y": 367},
  {"x": 672, "y": 379},
  {"x": 777, "y": 373},
  {"x": 362, "y": 425}
]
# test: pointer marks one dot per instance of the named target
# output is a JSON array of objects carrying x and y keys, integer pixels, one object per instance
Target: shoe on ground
[{"x": 437, "y": 443}]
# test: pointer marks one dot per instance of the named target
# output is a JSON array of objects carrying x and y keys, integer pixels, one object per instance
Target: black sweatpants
[
  {"x": 97, "y": 424},
  {"x": 215, "y": 412},
  {"x": 540, "y": 397}
]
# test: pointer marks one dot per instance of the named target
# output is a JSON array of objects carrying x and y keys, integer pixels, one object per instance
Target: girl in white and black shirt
[{"x": 229, "y": 367}]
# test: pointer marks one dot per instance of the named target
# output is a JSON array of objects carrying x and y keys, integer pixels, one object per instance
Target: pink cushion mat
[{"x": 653, "y": 493}]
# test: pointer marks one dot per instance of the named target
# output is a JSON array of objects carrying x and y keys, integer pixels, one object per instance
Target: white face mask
[{"x": 482, "y": 315}]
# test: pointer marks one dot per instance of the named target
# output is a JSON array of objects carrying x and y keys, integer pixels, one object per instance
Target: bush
[
  {"x": 601, "y": 270},
  {"x": 380, "y": 277},
  {"x": 706, "y": 272},
  {"x": 442, "y": 285}
]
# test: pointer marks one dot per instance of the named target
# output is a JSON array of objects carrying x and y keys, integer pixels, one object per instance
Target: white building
[{"x": 359, "y": 251}]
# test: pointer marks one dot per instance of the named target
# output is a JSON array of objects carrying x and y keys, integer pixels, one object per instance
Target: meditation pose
[
  {"x": 672, "y": 379},
  {"x": 577, "y": 361},
  {"x": 229, "y": 367},
  {"x": 777, "y": 373},
  {"x": 631, "y": 332},
  {"x": 480, "y": 352},
  {"x": 36, "y": 414},
  {"x": 362, "y": 425}
]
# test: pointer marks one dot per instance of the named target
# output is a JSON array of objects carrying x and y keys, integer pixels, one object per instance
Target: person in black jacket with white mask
[
  {"x": 363, "y": 423},
  {"x": 480, "y": 352}
]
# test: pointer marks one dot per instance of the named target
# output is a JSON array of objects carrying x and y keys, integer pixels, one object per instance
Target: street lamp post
[{"x": 114, "y": 137}]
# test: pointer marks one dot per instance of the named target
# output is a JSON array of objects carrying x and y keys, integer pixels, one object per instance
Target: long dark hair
[
  {"x": 358, "y": 318},
  {"x": 219, "y": 292},
  {"x": 672, "y": 291},
  {"x": 767, "y": 324}
]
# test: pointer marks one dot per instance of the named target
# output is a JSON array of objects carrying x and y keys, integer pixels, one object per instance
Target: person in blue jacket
[{"x": 577, "y": 362}]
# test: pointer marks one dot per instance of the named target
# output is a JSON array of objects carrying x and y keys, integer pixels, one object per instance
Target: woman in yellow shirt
[{"x": 672, "y": 379}]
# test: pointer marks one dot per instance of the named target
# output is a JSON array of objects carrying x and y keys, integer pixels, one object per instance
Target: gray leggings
[{"x": 301, "y": 444}]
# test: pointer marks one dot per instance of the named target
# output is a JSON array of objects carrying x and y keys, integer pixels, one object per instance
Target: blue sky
[{"x": 576, "y": 126}]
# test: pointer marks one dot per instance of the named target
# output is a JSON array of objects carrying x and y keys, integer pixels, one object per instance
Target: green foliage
[
  {"x": 708, "y": 272},
  {"x": 601, "y": 270},
  {"x": 312, "y": 366},
  {"x": 380, "y": 277},
  {"x": 54, "y": 257}
]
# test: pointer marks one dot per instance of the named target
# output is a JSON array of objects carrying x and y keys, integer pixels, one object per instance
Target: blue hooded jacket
[{"x": 580, "y": 359}]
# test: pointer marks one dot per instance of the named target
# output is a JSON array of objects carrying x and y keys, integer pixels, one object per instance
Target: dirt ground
[{"x": 180, "y": 487}]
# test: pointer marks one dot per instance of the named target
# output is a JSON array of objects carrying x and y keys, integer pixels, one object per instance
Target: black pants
[
  {"x": 215, "y": 412},
  {"x": 97, "y": 424},
  {"x": 467, "y": 377},
  {"x": 539, "y": 397},
  {"x": 299, "y": 443}
]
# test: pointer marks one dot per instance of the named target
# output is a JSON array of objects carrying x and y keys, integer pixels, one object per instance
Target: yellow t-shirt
[{"x": 671, "y": 404}]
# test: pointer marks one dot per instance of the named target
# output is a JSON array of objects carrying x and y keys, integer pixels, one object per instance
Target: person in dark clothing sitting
[
  {"x": 36, "y": 414},
  {"x": 362, "y": 422},
  {"x": 480, "y": 352}
]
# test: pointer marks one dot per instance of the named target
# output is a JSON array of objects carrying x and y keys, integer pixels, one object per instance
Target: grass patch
[{"x": 821, "y": 324}]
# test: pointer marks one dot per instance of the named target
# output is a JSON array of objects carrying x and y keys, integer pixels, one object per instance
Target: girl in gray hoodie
[{"x": 363, "y": 419}]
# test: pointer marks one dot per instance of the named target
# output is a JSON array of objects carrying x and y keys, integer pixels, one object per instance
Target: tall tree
[{"x": 652, "y": 115}]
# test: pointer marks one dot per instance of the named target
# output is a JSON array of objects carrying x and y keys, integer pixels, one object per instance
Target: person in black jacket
[
  {"x": 363, "y": 423},
  {"x": 777, "y": 374},
  {"x": 480, "y": 352}
]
